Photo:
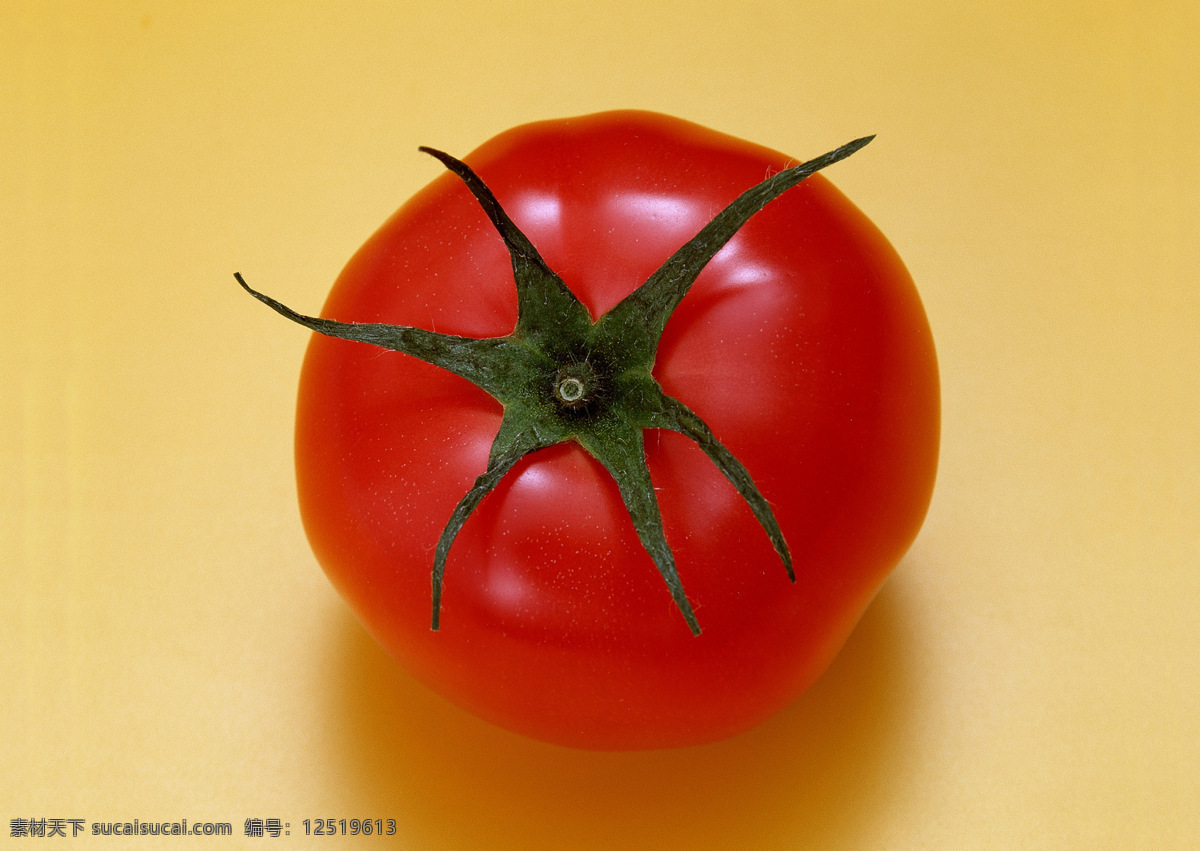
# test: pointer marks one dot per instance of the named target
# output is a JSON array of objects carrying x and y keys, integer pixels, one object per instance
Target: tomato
[{"x": 803, "y": 346}]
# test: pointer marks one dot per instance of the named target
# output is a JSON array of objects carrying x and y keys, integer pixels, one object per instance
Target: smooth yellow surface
[{"x": 1029, "y": 678}]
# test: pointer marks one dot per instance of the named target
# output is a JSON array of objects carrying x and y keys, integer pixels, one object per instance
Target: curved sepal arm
[
  {"x": 547, "y": 310},
  {"x": 484, "y": 362},
  {"x": 625, "y": 460},
  {"x": 639, "y": 319},
  {"x": 507, "y": 450},
  {"x": 676, "y": 416}
]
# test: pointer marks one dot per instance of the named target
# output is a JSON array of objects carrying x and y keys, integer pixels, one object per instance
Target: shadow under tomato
[{"x": 815, "y": 773}]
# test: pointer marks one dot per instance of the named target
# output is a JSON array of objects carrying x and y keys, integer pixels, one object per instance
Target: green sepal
[
  {"x": 548, "y": 313},
  {"x": 495, "y": 364},
  {"x": 439, "y": 349},
  {"x": 636, "y": 323},
  {"x": 562, "y": 377},
  {"x": 510, "y": 446},
  {"x": 676, "y": 416},
  {"x": 624, "y": 457}
]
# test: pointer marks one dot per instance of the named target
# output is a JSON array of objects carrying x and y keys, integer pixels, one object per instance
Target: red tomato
[{"x": 803, "y": 345}]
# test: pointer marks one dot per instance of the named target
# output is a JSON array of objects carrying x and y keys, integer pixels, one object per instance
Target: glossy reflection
[
  {"x": 537, "y": 212},
  {"x": 660, "y": 209},
  {"x": 739, "y": 268}
]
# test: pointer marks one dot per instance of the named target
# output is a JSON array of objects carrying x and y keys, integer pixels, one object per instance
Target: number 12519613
[{"x": 349, "y": 827}]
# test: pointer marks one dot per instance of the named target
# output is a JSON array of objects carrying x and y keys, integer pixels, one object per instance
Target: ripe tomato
[{"x": 802, "y": 344}]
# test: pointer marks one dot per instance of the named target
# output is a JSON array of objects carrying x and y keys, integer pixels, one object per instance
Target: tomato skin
[{"x": 803, "y": 345}]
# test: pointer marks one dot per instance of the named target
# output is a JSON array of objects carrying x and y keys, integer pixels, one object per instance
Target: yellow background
[{"x": 1027, "y": 679}]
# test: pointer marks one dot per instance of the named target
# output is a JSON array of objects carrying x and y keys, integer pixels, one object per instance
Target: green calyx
[{"x": 560, "y": 376}]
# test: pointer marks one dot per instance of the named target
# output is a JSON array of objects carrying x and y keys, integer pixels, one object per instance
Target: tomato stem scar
[{"x": 570, "y": 390}]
